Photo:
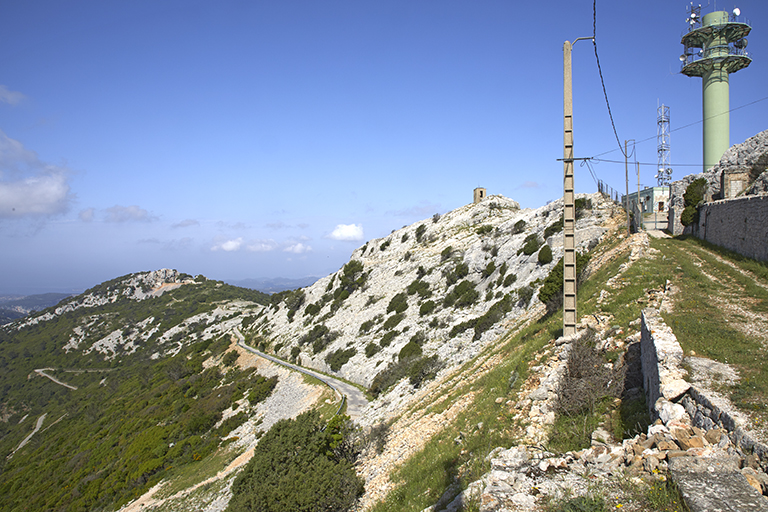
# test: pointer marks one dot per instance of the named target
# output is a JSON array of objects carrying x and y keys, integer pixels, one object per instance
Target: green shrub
[
  {"x": 313, "y": 309},
  {"x": 459, "y": 272},
  {"x": 391, "y": 322},
  {"x": 693, "y": 196},
  {"x": 489, "y": 269},
  {"x": 316, "y": 473},
  {"x": 462, "y": 295},
  {"x": 503, "y": 269},
  {"x": 417, "y": 369},
  {"x": 484, "y": 230},
  {"x": 420, "y": 287},
  {"x": 229, "y": 358},
  {"x": 446, "y": 253},
  {"x": 386, "y": 340},
  {"x": 509, "y": 280},
  {"x": 531, "y": 244},
  {"x": 545, "y": 255},
  {"x": 694, "y": 193},
  {"x": 423, "y": 369},
  {"x": 419, "y": 338},
  {"x": 427, "y": 307},
  {"x": 404, "y": 238},
  {"x": 339, "y": 358},
  {"x": 689, "y": 216},
  {"x": 551, "y": 291},
  {"x": 399, "y": 303},
  {"x": 320, "y": 337},
  {"x": 420, "y": 232},
  {"x": 524, "y": 295},
  {"x": 553, "y": 228},
  {"x": 366, "y": 326},
  {"x": 371, "y": 349},
  {"x": 519, "y": 227},
  {"x": 262, "y": 388},
  {"x": 384, "y": 246},
  {"x": 409, "y": 351}
]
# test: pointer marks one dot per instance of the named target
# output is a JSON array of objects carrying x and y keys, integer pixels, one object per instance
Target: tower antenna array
[
  {"x": 664, "y": 176},
  {"x": 714, "y": 47}
]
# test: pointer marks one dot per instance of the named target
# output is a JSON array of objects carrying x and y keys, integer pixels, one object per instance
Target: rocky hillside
[
  {"x": 443, "y": 287},
  {"x": 147, "y": 363}
]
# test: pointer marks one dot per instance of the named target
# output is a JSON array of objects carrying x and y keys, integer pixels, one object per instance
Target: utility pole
[
  {"x": 626, "y": 181},
  {"x": 640, "y": 209},
  {"x": 569, "y": 201}
]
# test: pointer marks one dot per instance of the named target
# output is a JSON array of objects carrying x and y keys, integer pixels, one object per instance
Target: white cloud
[
  {"x": 128, "y": 214},
  {"x": 347, "y": 232},
  {"x": 10, "y": 97},
  {"x": 87, "y": 215},
  {"x": 36, "y": 196},
  {"x": 186, "y": 223},
  {"x": 529, "y": 184},
  {"x": 30, "y": 187},
  {"x": 261, "y": 245},
  {"x": 228, "y": 245},
  {"x": 298, "y": 248}
]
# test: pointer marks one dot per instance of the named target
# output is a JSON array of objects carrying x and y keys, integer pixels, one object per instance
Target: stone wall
[
  {"x": 745, "y": 163},
  {"x": 740, "y": 225},
  {"x": 674, "y": 400},
  {"x": 663, "y": 374}
]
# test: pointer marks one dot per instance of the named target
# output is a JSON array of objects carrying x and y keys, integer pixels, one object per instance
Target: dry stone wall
[
  {"x": 740, "y": 225},
  {"x": 673, "y": 400}
]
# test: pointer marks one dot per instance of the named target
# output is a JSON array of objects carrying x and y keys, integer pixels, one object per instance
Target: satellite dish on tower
[
  {"x": 682, "y": 58},
  {"x": 736, "y": 11}
]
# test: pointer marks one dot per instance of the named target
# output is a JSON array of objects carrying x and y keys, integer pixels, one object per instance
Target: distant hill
[
  {"x": 274, "y": 285},
  {"x": 15, "y": 306}
]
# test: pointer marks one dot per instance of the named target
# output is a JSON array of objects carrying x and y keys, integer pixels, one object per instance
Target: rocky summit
[{"x": 422, "y": 284}]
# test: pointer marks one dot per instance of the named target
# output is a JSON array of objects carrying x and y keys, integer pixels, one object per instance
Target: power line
[
  {"x": 600, "y": 72},
  {"x": 688, "y": 126},
  {"x": 593, "y": 159}
]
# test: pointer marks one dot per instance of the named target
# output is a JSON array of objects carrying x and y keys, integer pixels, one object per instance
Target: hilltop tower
[
  {"x": 715, "y": 47},
  {"x": 478, "y": 195}
]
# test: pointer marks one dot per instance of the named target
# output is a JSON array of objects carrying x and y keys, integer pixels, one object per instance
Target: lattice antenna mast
[{"x": 664, "y": 176}]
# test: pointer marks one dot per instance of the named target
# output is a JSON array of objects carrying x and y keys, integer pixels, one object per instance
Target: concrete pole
[
  {"x": 569, "y": 200},
  {"x": 626, "y": 183}
]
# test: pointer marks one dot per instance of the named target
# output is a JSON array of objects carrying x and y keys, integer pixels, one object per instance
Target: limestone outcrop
[{"x": 425, "y": 287}]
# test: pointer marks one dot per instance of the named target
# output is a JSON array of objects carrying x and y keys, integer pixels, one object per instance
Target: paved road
[{"x": 355, "y": 398}]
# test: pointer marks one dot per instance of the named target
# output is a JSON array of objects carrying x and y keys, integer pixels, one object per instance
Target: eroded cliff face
[{"x": 423, "y": 288}]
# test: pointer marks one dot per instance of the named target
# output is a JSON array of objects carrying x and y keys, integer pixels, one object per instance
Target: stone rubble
[{"x": 525, "y": 476}]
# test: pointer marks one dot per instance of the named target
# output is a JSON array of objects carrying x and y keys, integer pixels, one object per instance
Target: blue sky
[{"x": 263, "y": 139}]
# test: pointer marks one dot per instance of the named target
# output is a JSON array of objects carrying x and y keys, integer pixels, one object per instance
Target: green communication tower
[{"x": 715, "y": 46}]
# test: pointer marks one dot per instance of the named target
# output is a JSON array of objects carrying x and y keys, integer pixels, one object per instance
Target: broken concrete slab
[{"x": 715, "y": 485}]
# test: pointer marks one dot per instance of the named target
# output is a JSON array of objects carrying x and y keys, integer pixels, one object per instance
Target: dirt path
[
  {"x": 733, "y": 299},
  {"x": 41, "y": 371},
  {"x": 38, "y": 425}
]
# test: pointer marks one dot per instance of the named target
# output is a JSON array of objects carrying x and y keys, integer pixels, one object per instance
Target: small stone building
[{"x": 479, "y": 195}]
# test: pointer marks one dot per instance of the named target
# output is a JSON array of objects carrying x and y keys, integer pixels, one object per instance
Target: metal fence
[{"x": 610, "y": 192}]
